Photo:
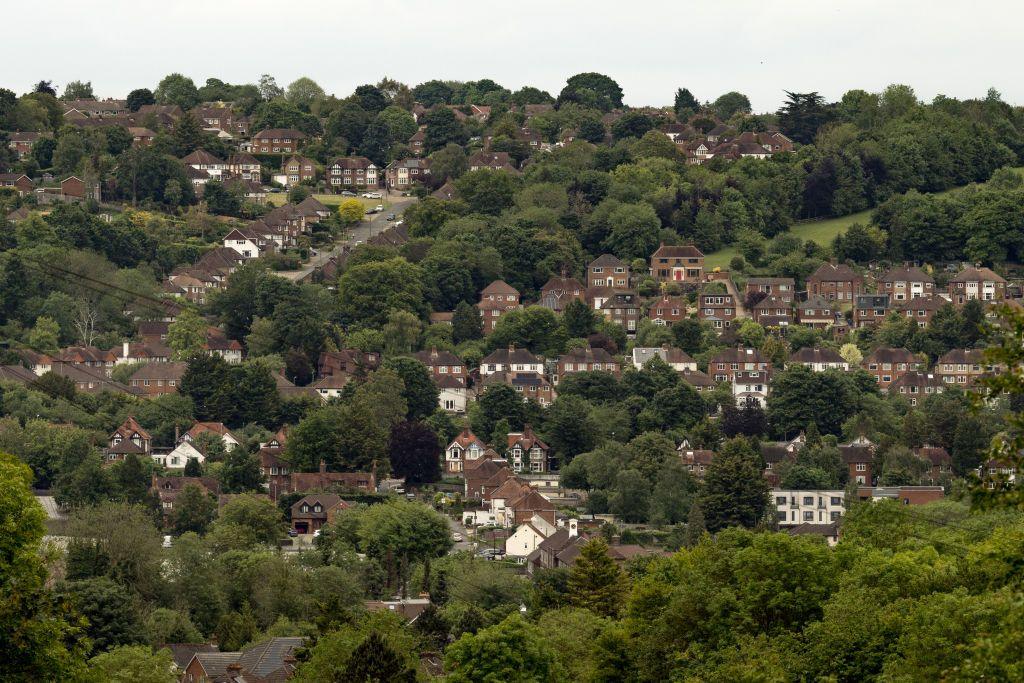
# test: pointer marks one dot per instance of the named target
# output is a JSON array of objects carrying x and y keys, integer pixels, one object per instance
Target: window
[
  {"x": 861, "y": 467},
  {"x": 780, "y": 500},
  {"x": 808, "y": 516},
  {"x": 836, "y": 500},
  {"x": 834, "y": 515},
  {"x": 808, "y": 500},
  {"x": 782, "y": 516}
]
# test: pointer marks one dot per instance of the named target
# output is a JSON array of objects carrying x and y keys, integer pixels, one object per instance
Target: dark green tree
[
  {"x": 685, "y": 105},
  {"x": 466, "y": 323},
  {"x": 735, "y": 491},
  {"x": 113, "y": 619},
  {"x": 375, "y": 661},
  {"x": 802, "y": 114},
  {"x": 415, "y": 453},
  {"x": 194, "y": 509},
  {"x": 420, "y": 392},
  {"x": 595, "y": 581}
]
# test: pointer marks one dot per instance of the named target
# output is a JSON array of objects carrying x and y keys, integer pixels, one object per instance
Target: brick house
[
  {"x": 696, "y": 460},
  {"x": 464, "y": 449},
  {"x": 22, "y": 143},
  {"x": 940, "y": 463},
  {"x": 608, "y": 271},
  {"x": 496, "y": 298},
  {"x": 532, "y": 386},
  {"x": 835, "y": 282},
  {"x": 277, "y": 141},
  {"x": 977, "y": 283},
  {"x": 915, "y": 386},
  {"x": 402, "y": 173},
  {"x": 623, "y": 308},
  {"x": 169, "y": 488},
  {"x": 557, "y": 292},
  {"x": 815, "y": 313},
  {"x": 496, "y": 161},
  {"x": 905, "y": 283},
  {"x": 443, "y": 364},
  {"x": 299, "y": 169},
  {"x": 724, "y": 365},
  {"x": 246, "y": 166},
  {"x": 870, "y": 309},
  {"x": 717, "y": 308},
  {"x": 525, "y": 451},
  {"x": 155, "y": 379},
  {"x": 773, "y": 311},
  {"x": 680, "y": 263},
  {"x": 511, "y": 359},
  {"x": 781, "y": 287},
  {"x": 859, "y": 458},
  {"x": 270, "y": 660},
  {"x": 311, "y": 513},
  {"x": 351, "y": 172},
  {"x": 818, "y": 359},
  {"x": 586, "y": 360},
  {"x": 128, "y": 438},
  {"x": 19, "y": 181},
  {"x": 922, "y": 309},
  {"x": 962, "y": 367},
  {"x": 668, "y": 309},
  {"x": 141, "y": 136},
  {"x": 887, "y": 365}
]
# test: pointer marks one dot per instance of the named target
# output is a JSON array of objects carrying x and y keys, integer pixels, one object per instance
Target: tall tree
[
  {"x": 686, "y": 105},
  {"x": 802, "y": 115},
  {"x": 177, "y": 89},
  {"x": 595, "y": 581},
  {"x": 415, "y": 453},
  {"x": 194, "y": 509},
  {"x": 735, "y": 490},
  {"x": 139, "y": 97},
  {"x": 375, "y": 661}
]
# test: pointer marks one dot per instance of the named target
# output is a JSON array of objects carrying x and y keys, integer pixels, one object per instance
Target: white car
[
  {"x": 373, "y": 195},
  {"x": 168, "y": 542},
  {"x": 378, "y": 208},
  {"x": 457, "y": 537}
]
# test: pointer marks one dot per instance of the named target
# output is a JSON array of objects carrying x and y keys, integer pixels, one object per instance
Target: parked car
[
  {"x": 168, "y": 541},
  {"x": 491, "y": 554},
  {"x": 373, "y": 195},
  {"x": 378, "y": 208},
  {"x": 292, "y": 533},
  {"x": 457, "y": 537},
  {"x": 391, "y": 217},
  {"x": 348, "y": 193}
]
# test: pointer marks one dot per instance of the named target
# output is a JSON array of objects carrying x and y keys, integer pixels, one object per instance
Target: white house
[
  {"x": 677, "y": 358},
  {"x": 750, "y": 387},
  {"x": 808, "y": 507},
  {"x": 453, "y": 394},
  {"x": 179, "y": 457},
  {"x": 528, "y": 536},
  {"x": 511, "y": 360},
  {"x": 246, "y": 242},
  {"x": 218, "y": 429}
]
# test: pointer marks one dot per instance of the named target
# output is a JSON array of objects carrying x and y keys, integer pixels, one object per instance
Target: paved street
[
  {"x": 377, "y": 224},
  {"x": 457, "y": 528}
]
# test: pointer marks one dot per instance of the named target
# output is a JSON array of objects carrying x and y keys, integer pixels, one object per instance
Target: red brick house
[
  {"x": 781, "y": 287},
  {"x": 680, "y": 263},
  {"x": 299, "y": 169},
  {"x": 835, "y": 282},
  {"x": 962, "y": 367},
  {"x": 623, "y": 308},
  {"x": 76, "y": 187},
  {"x": 155, "y": 379},
  {"x": 277, "y": 141},
  {"x": 905, "y": 283},
  {"x": 19, "y": 181},
  {"x": 668, "y": 309},
  {"x": 717, "y": 308},
  {"x": 940, "y": 463},
  {"x": 496, "y": 298},
  {"x": 525, "y": 451},
  {"x": 313, "y": 512},
  {"x": 608, "y": 271},
  {"x": 922, "y": 309},
  {"x": 443, "y": 364},
  {"x": 696, "y": 460},
  {"x": 859, "y": 458},
  {"x": 351, "y": 172},
  {"x": 977, "y": 283},
  {"x": 586, "y": 360},
  {"x": 724, "y": 366},
  {"x": 815, "y": 313},
  {"x": 532, "y": 386},
  {"x": 773, "y": 311},
  {"x": 870, "y": 309},
  {"x": 887, "y": 365},
  {"x": 916, "y": 386},
  {"x": 557, "y": 292},
  {"x": 22, "y": 143}
]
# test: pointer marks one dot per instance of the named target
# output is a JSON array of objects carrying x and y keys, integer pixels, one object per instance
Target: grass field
[
  {"x": 279, "y": 198},
  {"x": 821, "y": 231}
]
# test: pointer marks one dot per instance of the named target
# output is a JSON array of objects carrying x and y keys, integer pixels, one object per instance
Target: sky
[{"x": 758, "y": 47}]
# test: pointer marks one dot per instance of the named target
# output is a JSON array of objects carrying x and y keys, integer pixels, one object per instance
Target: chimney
[
  {"x": 323, "y": 466},
  {"x": 124, "y": 350},
  {"x": 574, "y": 528}
]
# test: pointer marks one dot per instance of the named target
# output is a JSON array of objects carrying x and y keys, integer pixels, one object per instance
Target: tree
[
  {"x": 448, "y": 163},
  {"x": 375, "y": 661},
  {"x": 415, "y": 453},
  {"x": 139, "y": 97},
  {"x": 240, "y": 472},
  {"x": 593, "y": 90},
  {"x": 219, "y": 200},
  {"x": 579, "y": 319},
  {"x": 45, "y": 87},
  {"x": 45, "y": 335},
  {"x": 133, "y": 664},
  {"x": 442, "y": 128},
  {"x": 695, "y": 525},
  {"x": 569, "y": 428},
  {"x": 630, "y": 501},
  {"x": 595, "y": 582},
  {"x": 802, "y": 115},
  {"x": 268, "y": 87},
  {"x": 369, "y": 292},
  {"x": 351, "y": 212},
  {"x": 735, "y": 492},
  {"x": 304, "y": 91},
  {"x": 466, "y": 323},
  {"x": 109, "y": 610},
  {"x": 194, "y": 509},
  {"x": 249, "y": 520},
  {"x": 686, "y": 105},
  {"x": 420, "y": 392},
  {"x": 633, "y": 124},
  {"x": 38, "y": 640},
  {"x": 78, "y": 90},
  {"x": 511, "y": 651},
  {"x": 800, "y": 395},
  {"x": 401, "y": 333},
  {"x": 729, "y": 104},
  {"x": 177, "y": 89},
  {"x": 187, "y": 334}
]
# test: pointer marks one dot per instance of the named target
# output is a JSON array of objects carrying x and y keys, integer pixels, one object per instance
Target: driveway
[
  {"x": 378, "y": 223},
  {"x": 457, "y": 528}
]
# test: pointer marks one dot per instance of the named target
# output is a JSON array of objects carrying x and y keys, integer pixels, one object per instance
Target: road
[
  {"x": 457, "y": 528},
  {"x": 377, "y": 224}
]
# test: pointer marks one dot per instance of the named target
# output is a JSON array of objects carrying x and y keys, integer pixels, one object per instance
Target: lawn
[
  {"x": 821, "y": 231},
  {"x": 279, "y": 198}
]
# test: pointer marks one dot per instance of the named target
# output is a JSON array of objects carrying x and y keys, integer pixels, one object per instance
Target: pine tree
[
  {"x": 132, "y": 479},
  {"x": 193, "y": 468},
  {"x": 735, "y": 492},
  {"x": 466, "y": 323},
  {"x": 375, "y": 661},
  {"x": 695, "y": 528},
  {"x": 595, "y": 581}
]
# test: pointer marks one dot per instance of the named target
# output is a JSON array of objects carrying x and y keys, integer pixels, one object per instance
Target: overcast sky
[{"x": 759, "y": 47}]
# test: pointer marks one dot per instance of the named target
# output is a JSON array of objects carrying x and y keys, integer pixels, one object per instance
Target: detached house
[
  {"x": 962, "y": 367},
  {"x": 816, "y": 313},
  {"x": 128, "y": 438},
  {"x": 496, "y": 298},
  {"x": 402, "y": 173},
  {"x": 465, "y": 448},
  {"x": 201, "y": 160},
  {"x": 559, "y": 291},
  {"x": 299, "y": 169},
  {"x": 724, "y": 366},
  {"x": 586, "y": 360},
  {"x": 495, "y": 161},
  {"x": 781, "y": 287},
  {"x": 922, "y": 309},
  {"x": 154, "y": 379},
  {"x": 870, "y": 309},
  {"x": 19, "y": 181},
  {"x": 818, "y": 359},
  {"x": 622, "y": 308},
  {"x": 977, "y": 283},
  {"x": 668, "y": 309},
  {"x": 682, "y": 263},
  {"x": 835, "y": 282},
  {"x": 311, "y": 513},
  {"x": 277, "y": 141},
  {"x": 527, "y": 452},
  {"x": 907, "y": 282},
  {"x": 750, "y": 387},
  {"x": 696, "y": 460},
  {"x": 608, "y": 271},
  {"x": 887, "y": 365},
  {"x": 511, "y": 359},
  {"x": 351, "y": 172},
  {"x": 530, "y": 385},
  {"x": 678, "y": 359},
  {"x": 859, "y": 457},
  {"x": 245, "y": 166},
  {"x": 718, "y": 308},
  {"x": 773, "y": 311}
]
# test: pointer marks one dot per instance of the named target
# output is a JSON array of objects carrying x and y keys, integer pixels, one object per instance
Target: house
[
  {"x": 87, "y": 358},
  {"x": 350, "y": 172},
  {"x": 248, "y": 243},
  {"x": 586, "y": 360},
  {"x": 773, "y": 311},
  {"x": 322, "y": 480},
  {"x": 724, "y": 365},
  {"x": 976, "y": 283},
  {"x": 216, "y": 429},
  {"x": 155, "y": 379},
  {"x": 717, "y": 308},
  {"x": 22, "y": 143},
  {"x": 485, "y": 474},
  {"x": 818, "y": 359},
  {"x": 940, "y": 463},
  {"x": 496, "y": 298},
  {"x": 916, "y": 386},
  {"x": 330, "y": 386},
  {"x": 816, "y": 313},
  {"x": 859, "y": 458},
  {"x": 922, "y": 309},
  {"x": 557, "y": 292},
  {"x": 525, "y": 451},
  {"x": 668, "y": 309},
  {"x": 453, "y": 394},
  {"x": 179, "y": 456},
  {"x": 168, "y": 489},
  {"x": 202, "y": 160},
  {"x": 906, "y": 495},
  {"x": 274, "y": 468},
  {"x": 347, "y": 363},
  {"x": 270, "y": 660},
  {"x": 887, "y": 365},
  {"x": 511, "y": 359},
  {"x": 528, "y": 536},
  {"x": 299, "y": 169},
  {"x": 795, "y": 508},
  {"x": 682, "y": 263},
  {"x": 515, "y": 502},
  {"x": 905, "y": 283},
  {"x": 781, "y": 287},
  {"x": 962, "y": 367},
  {"x": 74, "y": 186},
  {"x": 830, "y": 531},
  {"x": 750, "y": 387},
  {"x": 443, "y": 365},
  {"x": 401, "y": 174},
  {"x": 700, "y": 381},
  {"x": 277, "y": 141},
  {"x": 496, "y": 161},
  {"x": 835, "y": 282},
  {"x": 408, "y": 609},
  {"x": 129, "y": 437},
  {"x": 245, "y": 166},
  {"x": 696, "y": 460},
  {"x": 531, "y": 385},
  {"x": 678, "y": 359},
  {"x": 228, "y": 349},
  {"x": 870, "y": 309},
  {"x": 310, "y": 513},
  {"x": 622, "y": 307},
  {"x": 446, "y": 192},
  {"x": 776, "y": 453},
  {"x": 96, "y": 108},
  {"x": 608, "y": 271},
  {"x": 465, "y": 448}
]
